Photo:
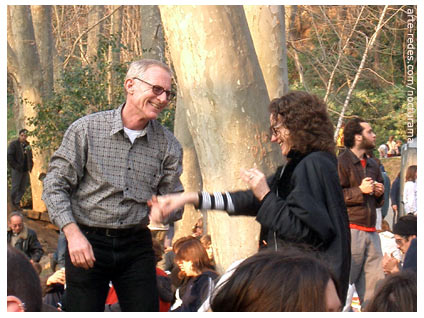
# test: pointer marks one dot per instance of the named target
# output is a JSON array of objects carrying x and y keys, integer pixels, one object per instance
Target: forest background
[{"x": 66, "y": 61}]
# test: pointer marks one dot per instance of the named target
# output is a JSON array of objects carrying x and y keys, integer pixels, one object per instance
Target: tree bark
[
  {"x": 191, "y": 177},
  {"x": 268, "y": 31},
  {"x": 114, "y": 49},
  {"x": 152, "y": 40},
  {"x": 95, "y": 14},
  {"x": 29, "y": 86},
  {"x": 219, "y": 74}
]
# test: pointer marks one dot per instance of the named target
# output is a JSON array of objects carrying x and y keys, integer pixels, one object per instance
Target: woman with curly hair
[{"x": 302, "y": 203}]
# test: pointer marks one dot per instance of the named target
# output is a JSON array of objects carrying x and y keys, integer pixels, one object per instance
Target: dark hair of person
[
  {"x": 22, "y": 280},
  {"x": 397, "y": 293},
  {"x": 410, "y": 173},
  {"x": 23, "y": 131},
  {"x": 269, "y": 281},
  {"x": 307, "y": 119},
  {"x": 353, "y": 127},
  {"x": 157, "y": 249},
  {"x": 192, "y": 250}
]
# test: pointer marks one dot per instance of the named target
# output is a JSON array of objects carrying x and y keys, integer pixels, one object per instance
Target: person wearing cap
[{"x": 405, "y": 231}]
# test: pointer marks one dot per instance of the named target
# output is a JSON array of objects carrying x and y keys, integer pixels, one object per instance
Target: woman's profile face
[
  {"x": 280, "y": 135},
  {"x": 332, "y": 299}
]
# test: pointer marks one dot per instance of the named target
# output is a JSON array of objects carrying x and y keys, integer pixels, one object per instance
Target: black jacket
[
  {"x": 305, "y": 206},
  {"x": 28, "y": 243},
  {"x": 18, "y": 157}
]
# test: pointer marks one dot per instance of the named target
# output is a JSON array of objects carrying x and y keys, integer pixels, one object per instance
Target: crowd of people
[{"x": 118, "y": 171}]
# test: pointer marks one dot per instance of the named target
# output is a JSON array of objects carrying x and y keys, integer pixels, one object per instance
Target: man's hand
[
  {"x": 162, "y": 206},
  {"x": 367, "y": 185},
  {"x": 378, "y": 189},
  {"x": 80, "y": 249},
  {"x": 390, "y": 264}
]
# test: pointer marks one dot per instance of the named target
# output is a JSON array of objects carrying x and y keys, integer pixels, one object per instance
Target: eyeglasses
[
  {"x": 274, "y": 130},
  {"x": 158, "y": 90}
]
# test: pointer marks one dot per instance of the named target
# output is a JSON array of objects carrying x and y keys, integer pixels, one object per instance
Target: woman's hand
[{"x": 256, "y": 181}]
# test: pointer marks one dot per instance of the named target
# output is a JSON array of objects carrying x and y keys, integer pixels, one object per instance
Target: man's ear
[
  {"x": 358, "y": 137},
  {"x": 14, "y": 304},
  {"x": 128, "y": 84}
]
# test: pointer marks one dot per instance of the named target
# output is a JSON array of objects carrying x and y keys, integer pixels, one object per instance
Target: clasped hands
[
  {"x": 162, "y": 206},
  {"x": 371, "y": 187}
]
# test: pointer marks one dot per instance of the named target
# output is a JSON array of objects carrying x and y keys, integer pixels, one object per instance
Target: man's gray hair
[
  {"x": 138, "y": 68},
  {"x": 16, "y": 213}
]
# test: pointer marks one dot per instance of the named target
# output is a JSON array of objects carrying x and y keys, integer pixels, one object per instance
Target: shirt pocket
[{"x": 147, "y": 174}]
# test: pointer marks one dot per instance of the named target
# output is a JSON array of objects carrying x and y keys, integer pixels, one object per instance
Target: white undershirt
[{"x": 133, "y": 134}]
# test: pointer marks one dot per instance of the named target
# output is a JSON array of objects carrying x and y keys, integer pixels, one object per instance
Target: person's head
[
  {"x": 411, "y": 173},
  {"x": 300, "y": 122},
  {"x": 158, "y": 249},
  {"x": 23, "y": 283},
  {"x": 16, "y": 222},
  {"x": 405, "y": 230},
  {"x": 358, "y": 133},
  {"x": 148, "y": 87},
  {"x": 385, "y": 226},
  {"x": 397, "y": 293},
  {"x": 198, "y": 228},
  {"x": 285, "y": 280},
  {"x": 23, "y": 135},
  {"x": 191, "y": 258},
  {"x": 391, "y": 138},
  {"x": 206, "y": 241}
]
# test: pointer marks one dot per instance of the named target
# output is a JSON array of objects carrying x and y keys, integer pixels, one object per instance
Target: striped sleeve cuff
[{"x": 216, "y": 201}]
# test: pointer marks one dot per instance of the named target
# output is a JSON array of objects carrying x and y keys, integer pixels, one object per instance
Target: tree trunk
[
  {"x": 114, "y": 50},
  {"x": 219, "y": 74},
  {"x": 30, "y": 85},
  {"x": 95, "y": 13},
  {"x": 152, "y": 40},
  {"x": 42, "y": 17},
  {"x": 191, "y": 177},
  {"x": 292, "y": 37},
  {"x": 268, "y": 31}
]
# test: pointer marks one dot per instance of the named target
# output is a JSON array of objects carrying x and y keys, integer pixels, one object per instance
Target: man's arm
[
  {"x": 11, "y": 153},
  {"x": 66, "y": 169}
]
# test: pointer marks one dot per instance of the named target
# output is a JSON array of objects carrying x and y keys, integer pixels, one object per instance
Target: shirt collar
[{"x": 118, "y": 125}]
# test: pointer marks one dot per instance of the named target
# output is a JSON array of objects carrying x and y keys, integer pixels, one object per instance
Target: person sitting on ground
[
  {"x": 405, "y": 230},
  {"x": 206, "y": 241},
  {"x": 284, "y": 280},
  {"x": 23, "y": 283},
  {"x": 397, "y": 293},
  {"x": 194, "y": 263},
  {"x": 23, "y": 238}
]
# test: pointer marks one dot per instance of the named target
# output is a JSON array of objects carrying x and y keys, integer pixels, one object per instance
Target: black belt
[{"x": 112, "y": 232}]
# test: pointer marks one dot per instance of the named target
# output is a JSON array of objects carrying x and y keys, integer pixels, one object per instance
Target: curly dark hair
[
  {"x": 352, "y": 128},
  {"x": 307, "y": 119}
]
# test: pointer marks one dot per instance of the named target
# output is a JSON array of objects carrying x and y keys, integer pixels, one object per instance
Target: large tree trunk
[
  {"x": 268, "y": 31},
  {"x": 219, "y": 74},
  {"x": 152, "y": 40},
  {"x": 29, "y": 85}
]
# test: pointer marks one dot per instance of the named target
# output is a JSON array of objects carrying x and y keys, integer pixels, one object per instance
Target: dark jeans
[
  {"x": 129, "y": 262},
  {"x": 20, "y": 181}
]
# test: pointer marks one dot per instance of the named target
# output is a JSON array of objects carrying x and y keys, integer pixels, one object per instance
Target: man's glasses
[{"x": 158, "y": 90}]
